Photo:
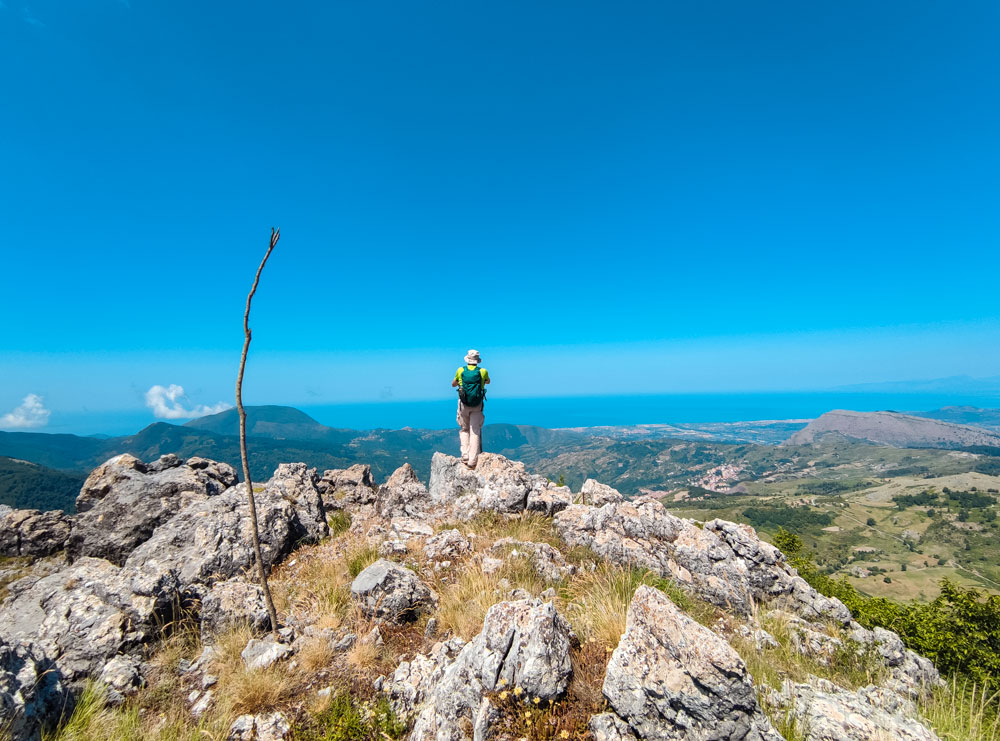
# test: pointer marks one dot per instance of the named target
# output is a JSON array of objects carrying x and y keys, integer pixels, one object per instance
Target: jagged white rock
[{"x": 671, "y": 678}]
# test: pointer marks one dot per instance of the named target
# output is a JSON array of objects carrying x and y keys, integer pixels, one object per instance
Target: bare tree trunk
[{"x": 261, "y": 571}]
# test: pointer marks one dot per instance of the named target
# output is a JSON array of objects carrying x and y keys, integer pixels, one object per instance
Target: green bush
[
  {"x": 347, "y": 720},
  {"x": 959, "y": 631}
]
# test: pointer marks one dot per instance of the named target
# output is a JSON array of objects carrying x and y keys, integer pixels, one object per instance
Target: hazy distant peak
[{"x": 895, "y": 429}]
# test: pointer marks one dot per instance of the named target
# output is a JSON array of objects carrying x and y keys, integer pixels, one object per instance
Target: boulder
[
  {"x": 497, "y": 484},
  {"x": 263, "y": 727},
  {"x": 671, "y": 678},
  {"x": 387, "y": 591},
  {"x": 296, "y": 483},
  {"x": 230, "y": 603},
  {"x": 597, "y": 494},
  {"x": 911, "y": 675},
  {"x": 87, "y": 613},
  {"x": 346, "y": 487},
  {"x": 547, "y": 498},
  {"x": 32, "y": 691},
  {"x": 124, "y": 500},
  {"x": 210, "y": 539},
  {"x": 402, "y": 495},
  {"x": 260, "y": 653},
  {"x": 523, "y": 644},
  {"x": 447, "y": 546},
  {"x": 725, "y": 563},
  {"x": 609, "y": 727},
  {"x": 28, "y": 532},
  {"x": 826, "y": 712},
  {"x": 123, "y": 677}
]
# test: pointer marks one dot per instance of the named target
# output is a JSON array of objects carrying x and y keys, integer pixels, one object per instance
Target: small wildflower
[
  {"x": 564, "y": 733},
  {"x": 527, "y": 716},
  {"x": 503, "y": 695},
  {"x": 537, "y": 700},
  {"x": 518, "y": 692},
  {"x": 502, "y": 682}
]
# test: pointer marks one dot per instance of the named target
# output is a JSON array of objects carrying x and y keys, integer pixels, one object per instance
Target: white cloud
[
  {"x": 31, "y": 413},
  {"x": 167, "y": 402}
]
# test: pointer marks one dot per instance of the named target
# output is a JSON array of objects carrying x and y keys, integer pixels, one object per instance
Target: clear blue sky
[{"x": 743, "y": 195}]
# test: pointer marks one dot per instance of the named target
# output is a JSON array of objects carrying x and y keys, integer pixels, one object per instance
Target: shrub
[{"x": 959, "y": 631}]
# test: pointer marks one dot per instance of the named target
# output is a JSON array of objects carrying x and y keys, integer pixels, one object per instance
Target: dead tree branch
[{"x": 261, "y": 571}]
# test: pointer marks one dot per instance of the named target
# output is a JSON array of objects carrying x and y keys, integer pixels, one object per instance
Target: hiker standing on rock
[{"x": 471, "y": 381}]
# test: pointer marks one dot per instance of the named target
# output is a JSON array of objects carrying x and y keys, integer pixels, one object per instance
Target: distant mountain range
[
  {"x": 895, "y": 429},
  {"x": 950, "y": 385},
  {"x": 45, "y": 470}
]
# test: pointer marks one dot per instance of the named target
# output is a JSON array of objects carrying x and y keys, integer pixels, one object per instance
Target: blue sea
[
  {"x": 593, "y": 411},
  {"x": 582, "y": 411}
]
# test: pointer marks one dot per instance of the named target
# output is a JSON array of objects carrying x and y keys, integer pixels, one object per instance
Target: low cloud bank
[
  {"x": 31, "y": 413},
  {"x": 167, "y": 402}
]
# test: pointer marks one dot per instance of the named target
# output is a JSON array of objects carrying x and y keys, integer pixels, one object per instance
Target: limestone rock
[
  {"x": 123, "y": 677},
  {"x": 609, "y": 727},
  {"x": 87, "y": 613},
  {"x": 912, "y": 675},
  {"x": 402, "y": 495},
  {"x": 262, "y": 653},
  {"x": 230, "y": 603},
  {"x": 671, "y": 678},
  {"x": 726, "y": 563},
  {"x": 597, "y": 494},
  {"x": 263, "y": 727},
  {"x": 28, "y": 532},
  {"x": 296, "y": 483},
  {"x": 410, "y": 685},
  {"x": 547, "y": 561},
  {"x": 388, "y": 591},
  {"x": 210, "y": 540},
  {"x": 828, "y": 713},
  {"x": 124, "y": 500},
  {"x": 523, "y": 644},
  {"x": 447, "y": 546},
  {"x": 347, "y": 487},
  {"x": 497, "y": 484},
  {"x": 546, "y": 497},
  {"x": 32, "y": 691}
]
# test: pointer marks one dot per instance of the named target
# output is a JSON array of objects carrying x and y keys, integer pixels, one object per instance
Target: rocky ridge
[{"x": 172, "y": 538}]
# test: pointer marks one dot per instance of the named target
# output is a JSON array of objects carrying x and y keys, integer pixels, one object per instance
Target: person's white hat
[{"x": 472, "y": 357}]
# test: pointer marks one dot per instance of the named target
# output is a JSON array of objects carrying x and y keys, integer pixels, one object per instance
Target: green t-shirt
[{"x": 482, "y": 371}]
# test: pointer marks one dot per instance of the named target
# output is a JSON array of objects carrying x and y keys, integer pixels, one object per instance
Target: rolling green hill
[{"x": 25, "y": 485}]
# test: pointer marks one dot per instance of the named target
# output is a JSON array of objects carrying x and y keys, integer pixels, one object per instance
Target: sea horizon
[{"x": 562, "y": 412}]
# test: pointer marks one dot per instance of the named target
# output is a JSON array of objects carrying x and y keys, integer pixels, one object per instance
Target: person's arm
[
  {"x": 458, "y": 374},
  {"x": 486, "y": 375}
]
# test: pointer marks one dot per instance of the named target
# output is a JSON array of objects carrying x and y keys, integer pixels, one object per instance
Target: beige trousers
[{"x": 470, "y": 430}]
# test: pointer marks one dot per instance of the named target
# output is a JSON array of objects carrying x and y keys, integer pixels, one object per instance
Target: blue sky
[{"x": 740, "y": 196}]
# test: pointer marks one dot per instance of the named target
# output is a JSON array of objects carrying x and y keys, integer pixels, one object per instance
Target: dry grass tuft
[
  {"x": 464, "y": 601},
  {"x": 964, "y": 711}
]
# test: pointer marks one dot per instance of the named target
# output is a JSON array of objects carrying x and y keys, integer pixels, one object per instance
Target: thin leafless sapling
[{"x": 261, "y": 570}]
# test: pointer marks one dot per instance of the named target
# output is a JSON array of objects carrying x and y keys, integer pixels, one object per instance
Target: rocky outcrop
[
  {"x": 210, "y": 540},
  {"x": 31, "y": 690},
  {"x": 347, "y": 487},
  {"x": 124, "y": 500},
  {"x": 387, "y": 591},
  {"x": 87, "y": 613},
  {"x": 911, "y": 675},
  {"x": 122, "y": 677},
  {"x": 230, "y": 603},
  {"x": 597, "y": 494},
  {"x": 402, "y": 495},
  {"x": 447, "y": 546},
  {"x": 671, "y": 678},
  {"x": 28, "y": 532},
  {"x": 725, "y": 563},
  {"x": 296, "y": 483},
  {"x": 523, "y": 644},
  {"x": 547, "y": 561},
  {"x": 547, "y": 498},
  {"x": 263, "y": 727},
  {"x": 496, "y": 484},
  {"x": 825, "y": 712}
]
